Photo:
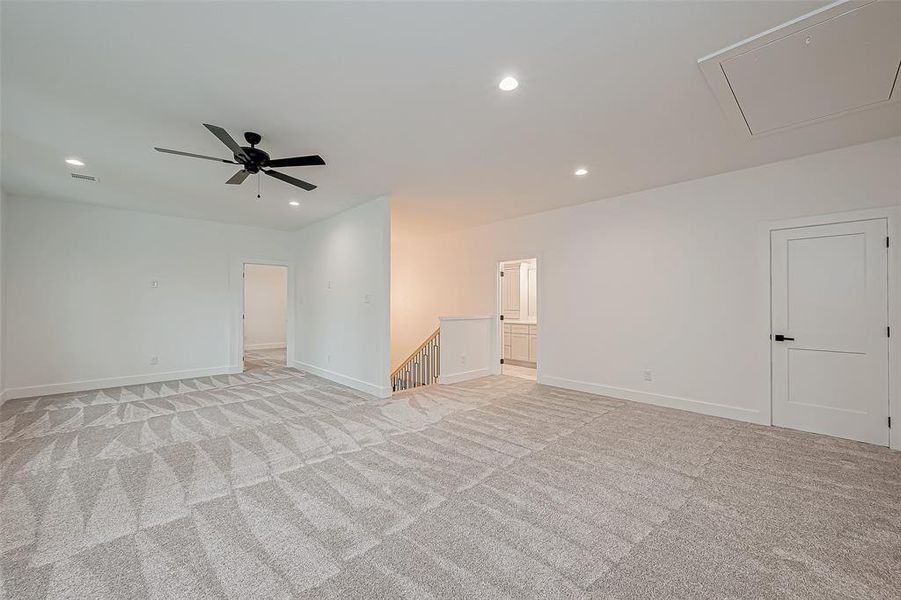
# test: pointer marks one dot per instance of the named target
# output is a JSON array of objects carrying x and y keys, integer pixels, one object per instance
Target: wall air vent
[
  {"x": 83, "y": 177},
  {"x": 841, "y": 58}
]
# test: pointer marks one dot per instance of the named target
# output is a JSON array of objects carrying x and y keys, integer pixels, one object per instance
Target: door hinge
[
  {"x": 502, "y": 273},
  {"x": 886, "y": 241},
  {"x": 502, "y": 317},
  {"x": 502, "y": 361},
  {"x": 888, "y": 331},
  {"x": 889, "y": 419}
]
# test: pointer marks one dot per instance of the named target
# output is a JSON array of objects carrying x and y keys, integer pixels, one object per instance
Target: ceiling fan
[{"x": 254, "y": 160}]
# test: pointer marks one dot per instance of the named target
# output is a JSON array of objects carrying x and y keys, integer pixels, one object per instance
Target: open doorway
[
  {"x": 265, "y": 316},
  {"x": 519, "y": 318}
]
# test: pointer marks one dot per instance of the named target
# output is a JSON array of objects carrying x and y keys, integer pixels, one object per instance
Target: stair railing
[{"x": 421, "y": 367}]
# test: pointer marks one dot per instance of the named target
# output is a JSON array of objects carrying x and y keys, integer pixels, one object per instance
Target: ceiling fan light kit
[{"x": 253, "y": 159}]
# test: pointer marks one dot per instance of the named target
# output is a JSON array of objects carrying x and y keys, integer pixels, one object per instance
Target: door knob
[{"x": 782, "y": 338}]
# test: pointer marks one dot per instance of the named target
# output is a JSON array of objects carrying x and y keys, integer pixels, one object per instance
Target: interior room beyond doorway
[
  {"x": 519, "y": 309},
  {"x": 265, "y": 316}
]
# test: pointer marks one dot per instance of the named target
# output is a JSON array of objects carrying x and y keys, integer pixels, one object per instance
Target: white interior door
[
  {"x": 829, "y": 329},
  {"x": 511, "y": 292}
]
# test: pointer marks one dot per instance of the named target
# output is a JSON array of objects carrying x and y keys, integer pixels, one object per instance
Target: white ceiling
[{"x": 400, "y": 99}]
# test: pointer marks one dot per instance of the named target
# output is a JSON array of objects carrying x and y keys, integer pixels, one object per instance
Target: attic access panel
[{"x": 842, "y": 58}]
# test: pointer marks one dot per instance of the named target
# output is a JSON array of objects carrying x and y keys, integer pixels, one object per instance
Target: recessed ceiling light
[
  {"x": 294, "y": 203},
  {"x": 508, "y": 84},
  {"x": 580, "y": 172},
  {"x": 74, "y": 162}
]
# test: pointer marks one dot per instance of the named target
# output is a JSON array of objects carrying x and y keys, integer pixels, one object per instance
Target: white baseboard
[
  {"x": 266, "y": 346},
  {"x": 97, "y": 384},
  {"x": 698, "y": 406},
  {"x": 463, "y": 376},
  {"x": 351, "y": 382}
]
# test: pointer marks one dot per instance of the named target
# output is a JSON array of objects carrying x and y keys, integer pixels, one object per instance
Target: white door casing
[{"x": 829, "y": 291}]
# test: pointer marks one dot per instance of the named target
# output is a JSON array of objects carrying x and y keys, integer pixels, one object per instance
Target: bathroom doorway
[{"x": 518, "y": 285}]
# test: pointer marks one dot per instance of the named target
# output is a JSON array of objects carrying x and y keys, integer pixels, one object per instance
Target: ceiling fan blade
[
  {"x": 238, "y": 177},
  {"x": 288, "y": 179},
  {"x": 192, "y": 155},
  {"x": 227, "y": 140},
  {"x": 297, "y": 161}
]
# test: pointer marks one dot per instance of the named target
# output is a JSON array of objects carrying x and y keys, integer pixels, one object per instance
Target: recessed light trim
[
  {"x": 508, "y": 84},
  {"x": 294, "y": 203},
  {"x": 580, "y": 172},
  {"x": 74, "y": 162}
]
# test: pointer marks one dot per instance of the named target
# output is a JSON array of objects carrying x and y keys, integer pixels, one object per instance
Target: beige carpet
[{"x": 276, "y": 484}]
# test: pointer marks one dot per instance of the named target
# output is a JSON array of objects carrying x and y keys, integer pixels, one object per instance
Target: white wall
[
  {"x": 2, "y": 304},
  {"x": 673, "y": 279},
  {"x": 466, "y": 348},
  {"x": 81, "y": 312},
  {"x": 343, "y": 295},
  {"x": 265, "y": 306},
  {"x": 419, "y": 294}
]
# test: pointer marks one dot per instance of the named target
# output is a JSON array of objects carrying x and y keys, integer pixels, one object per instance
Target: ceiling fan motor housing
[{"x": 255, "y": 159}]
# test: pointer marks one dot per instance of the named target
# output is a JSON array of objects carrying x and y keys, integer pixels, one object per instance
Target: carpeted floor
[{"x": 277, "y": 484}]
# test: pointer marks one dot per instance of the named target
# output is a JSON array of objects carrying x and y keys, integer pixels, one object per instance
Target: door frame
[
  {"x": 238, "y": 318},
  {"x": 499, "y": 303},
  {"x": 891, "y": 215}
]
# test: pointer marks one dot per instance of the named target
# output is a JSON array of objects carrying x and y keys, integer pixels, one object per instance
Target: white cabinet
[
  {"x": 533, "y": 343},
  {"x": 521, "y": 342}
]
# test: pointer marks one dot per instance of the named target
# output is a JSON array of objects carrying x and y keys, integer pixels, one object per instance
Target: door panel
[
  {"x": 826, "y": 379},
  {"x": 829, "y": 293},
  {"x": 511, "y": 292}
]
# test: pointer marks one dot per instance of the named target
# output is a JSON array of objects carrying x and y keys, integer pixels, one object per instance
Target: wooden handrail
[{"x": 415, "y": 352}]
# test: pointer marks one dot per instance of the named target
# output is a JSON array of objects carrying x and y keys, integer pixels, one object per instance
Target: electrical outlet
[
  {"x": 154, "y": 284},
  {"x": 328, "y": 359},
  {"x": 329, "y": 284},
  {"x": 462, "y": 359},
  {"x": 154, "y": 360},
  {"x": 367, "y": 298},
  {"x": 647, "y": 375}
]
